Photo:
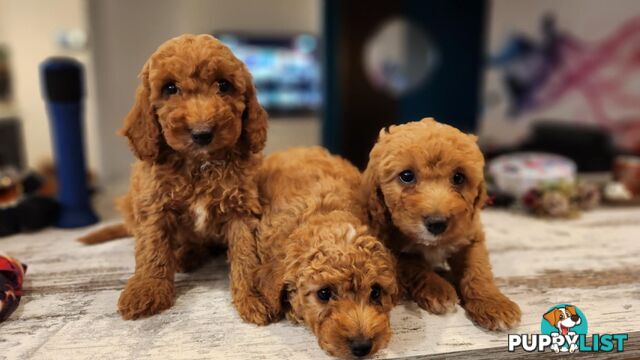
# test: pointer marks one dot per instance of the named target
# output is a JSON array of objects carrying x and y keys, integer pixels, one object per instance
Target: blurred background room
[
  {"x": 526, "y": 75},
  {"x": 551, "y": 88}
]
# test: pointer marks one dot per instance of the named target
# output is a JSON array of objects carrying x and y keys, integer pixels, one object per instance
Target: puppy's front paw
[
  {"x": 494, "y": 312},
  {"x": 436, "y": 295},
  {"x": 145, "y": 296},
  {"x": 254, "y": 308}
]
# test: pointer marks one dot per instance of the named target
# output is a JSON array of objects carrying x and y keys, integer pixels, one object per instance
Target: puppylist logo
[{"x": 564, "y": 329}]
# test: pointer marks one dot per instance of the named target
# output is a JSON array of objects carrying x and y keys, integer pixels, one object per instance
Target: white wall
[
  {"x": 201, "y": 16},
  {"x": 28, "y": 27},
  {"x": 591, "y": 22},
  {"x": 2, "y": 23},
  {"x": 126, "y": 32}
]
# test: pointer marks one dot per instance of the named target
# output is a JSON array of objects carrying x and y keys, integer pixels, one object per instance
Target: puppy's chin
[
  {"x": 427, "y": 239},
  {"x": 420, "y": 236},
  {"x": 206, "y": 154},
  {"x": 209, "y": 153}
]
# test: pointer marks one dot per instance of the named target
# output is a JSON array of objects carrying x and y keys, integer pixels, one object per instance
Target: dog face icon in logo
[{"x": 564, "y": 320}]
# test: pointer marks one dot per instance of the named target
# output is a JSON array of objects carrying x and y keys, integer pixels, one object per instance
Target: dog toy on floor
[{"x": 11, "y": 277}]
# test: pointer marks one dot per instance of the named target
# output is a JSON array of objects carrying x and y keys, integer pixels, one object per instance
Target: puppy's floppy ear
[
  {"x": 270, "y": 282},
  {"x": 385, "y": 131},
  {"x": 140, "y": 126},
  {"x": 481, "y": 196},
  {"x": 395, "y": 294},
  {"x": 571, "y": 309},
  {"x": 552, "y": 317},
  {"x": 254, "y": 120},
  {"x": 394, "y": 289},
  {"x": 374, "y": 199},
  {"x": 292, "y": 299}
]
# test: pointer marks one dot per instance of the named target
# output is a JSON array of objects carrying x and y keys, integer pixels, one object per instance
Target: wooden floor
[{"x": 69, "y": 309}]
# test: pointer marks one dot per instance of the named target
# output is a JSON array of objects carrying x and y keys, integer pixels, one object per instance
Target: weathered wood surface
[{"x": 69, "y": 309}]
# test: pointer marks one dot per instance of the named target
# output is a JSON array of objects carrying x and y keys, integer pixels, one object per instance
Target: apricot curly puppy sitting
[
  {"x": 425, "y": 188},
  {"x": 197, "y": 130},
  {"x": 320, "y": 264}
]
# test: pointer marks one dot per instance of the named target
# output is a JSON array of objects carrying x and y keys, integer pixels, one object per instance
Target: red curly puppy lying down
[
  {"x": 197, "y": 130},
  {"x": 320, "y": 265},
  {"x": 425, "y": 188}
]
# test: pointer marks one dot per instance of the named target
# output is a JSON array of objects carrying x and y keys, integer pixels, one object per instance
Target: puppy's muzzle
[
  {"x": 201, "y": 137},
  {"x": 360, "y": 346},
  {"x": 436, "y": 225}
]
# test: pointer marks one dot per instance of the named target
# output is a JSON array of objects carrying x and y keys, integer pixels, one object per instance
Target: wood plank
[
  {"x": 69, "y": 309},
  {"x": 631, "y": 351}
]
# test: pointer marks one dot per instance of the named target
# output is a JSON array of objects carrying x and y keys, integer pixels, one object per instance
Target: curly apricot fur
[
  {"x": 397, "y": 212},
  {"x": 313, "y": 235},
  {"x": 184, "y": 197}
]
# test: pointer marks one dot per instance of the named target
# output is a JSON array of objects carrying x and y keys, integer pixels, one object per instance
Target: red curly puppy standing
[
  {"x": 197, "y": 130},
  {"x": 424, "y": 187}
]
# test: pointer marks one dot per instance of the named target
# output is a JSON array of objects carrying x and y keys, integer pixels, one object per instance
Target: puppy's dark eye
[
  {"x": 324, "y": 294},
  {"x": 407, "y": 176},
  {"x": 376, "y": 292},
  {"x": 169, "y": 89},
  {"x": 224, "y": 86},
  {"x": 458, "y": 178}
]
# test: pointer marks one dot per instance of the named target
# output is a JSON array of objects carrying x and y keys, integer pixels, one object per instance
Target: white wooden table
[{"x": 69, "y": 307}]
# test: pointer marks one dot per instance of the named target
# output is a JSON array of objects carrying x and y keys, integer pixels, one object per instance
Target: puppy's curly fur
[
  {"x": 399, "y": 211},
  {"x": 184, "y": 196},
  {"x": 312, "y": 239}
]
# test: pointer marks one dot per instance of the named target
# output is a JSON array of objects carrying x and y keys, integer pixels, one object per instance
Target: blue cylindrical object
[{"x": 63, "y": 90}]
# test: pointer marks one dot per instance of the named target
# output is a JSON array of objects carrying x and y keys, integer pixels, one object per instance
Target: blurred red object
[{"x": 11, "y": 277}]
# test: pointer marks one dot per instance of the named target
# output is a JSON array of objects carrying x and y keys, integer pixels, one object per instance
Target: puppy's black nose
[
  {"x": 360, "y": 346},
  {"x": 575, "y": 318},
  {"x": 436, "y": 224},
  {"x": 202, "y": 137}
]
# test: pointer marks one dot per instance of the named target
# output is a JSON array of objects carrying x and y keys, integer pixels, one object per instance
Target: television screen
[{"x": 285, "y": 69}]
